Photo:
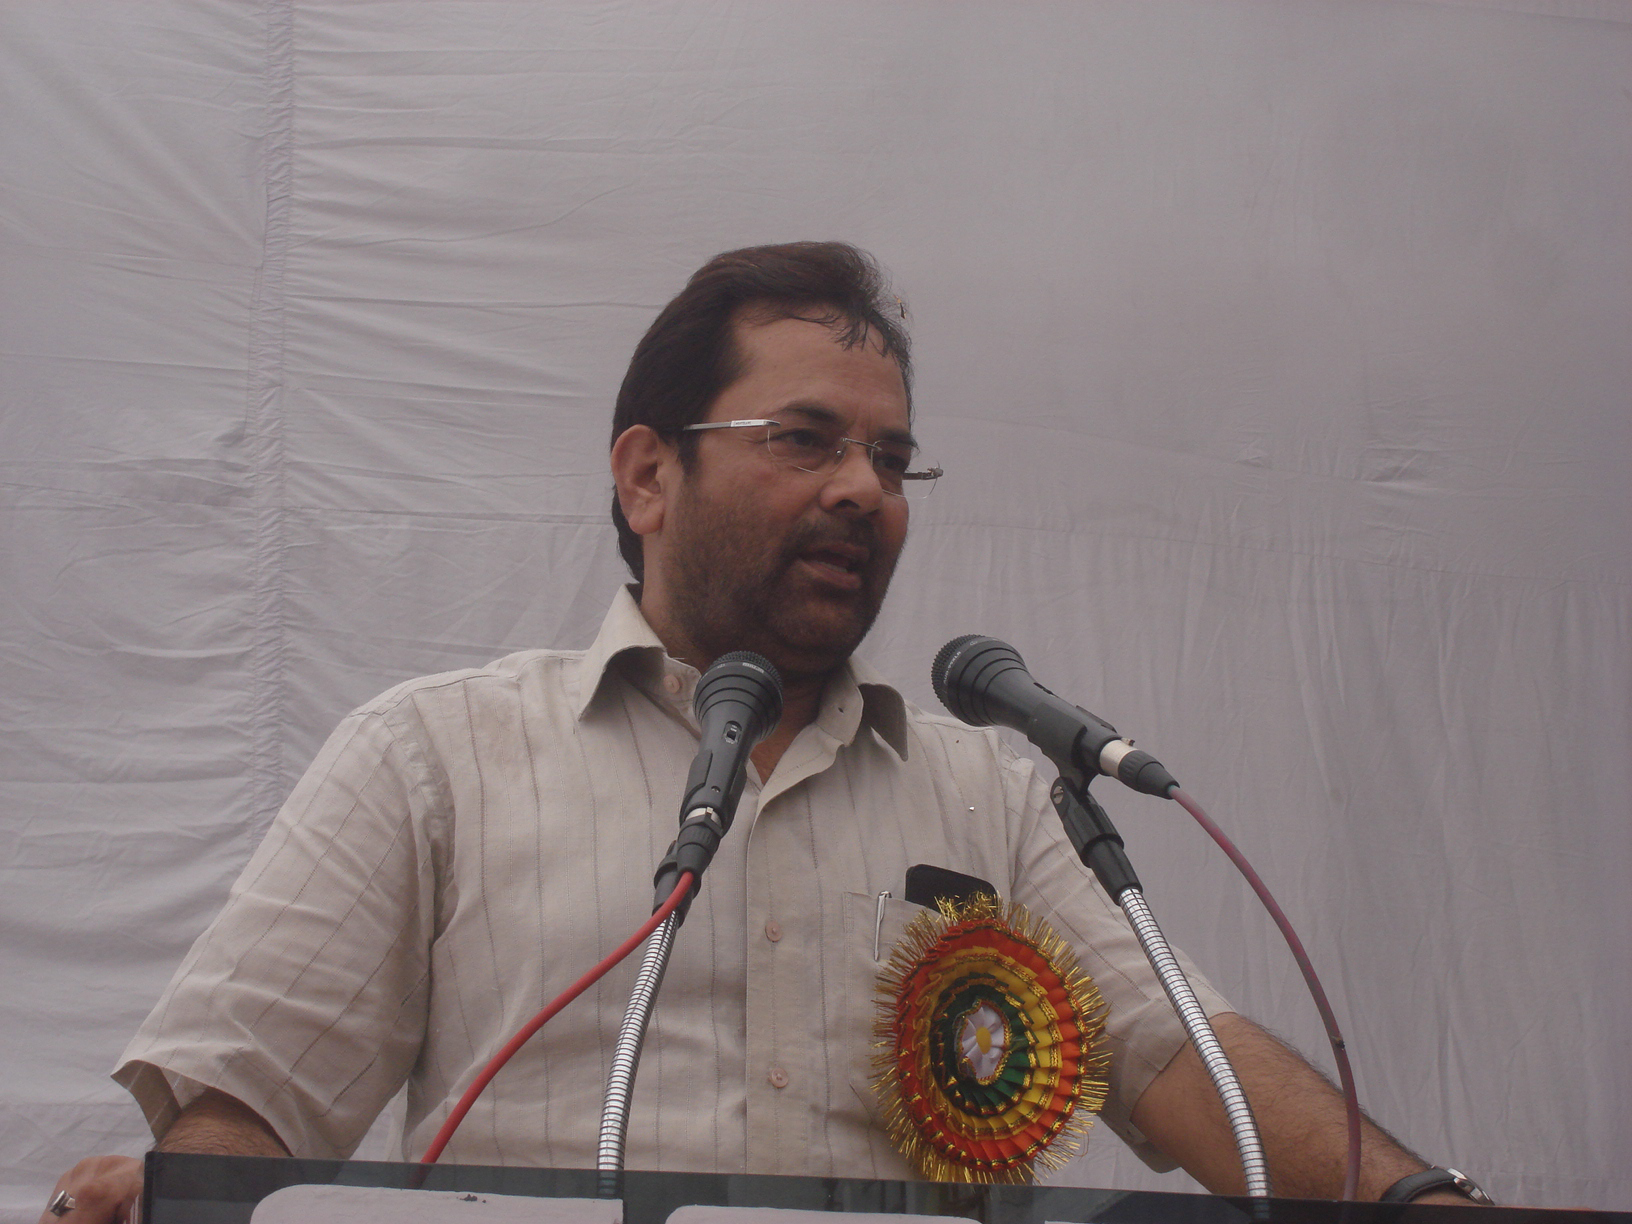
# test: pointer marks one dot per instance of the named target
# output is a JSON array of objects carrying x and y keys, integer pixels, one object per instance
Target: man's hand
[
  {"x": 1300, "y": 1118},
  {"x": 104, "y": 1189}
]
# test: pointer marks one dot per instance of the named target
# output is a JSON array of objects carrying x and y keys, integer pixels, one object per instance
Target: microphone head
[
  {"x": 748, "y": 680},
  {"x": 964, "y": 672}
]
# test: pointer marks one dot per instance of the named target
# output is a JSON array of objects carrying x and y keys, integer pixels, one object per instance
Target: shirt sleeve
[
  {"x": 1142, "y": 1031},
  {"x": 306, "y": 997}
]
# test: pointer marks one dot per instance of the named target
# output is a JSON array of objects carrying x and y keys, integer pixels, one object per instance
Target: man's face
[{"x": 762, "y": 556}]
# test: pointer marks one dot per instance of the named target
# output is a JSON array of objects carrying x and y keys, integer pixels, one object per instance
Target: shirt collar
[
  {"x": 884, "y": 709},
  {"x": 857, "y": 696},
  {"x": 624, "y": 631}
]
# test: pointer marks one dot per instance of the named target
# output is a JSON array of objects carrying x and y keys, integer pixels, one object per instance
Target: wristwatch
[{"x": 1418, "y": 1184}]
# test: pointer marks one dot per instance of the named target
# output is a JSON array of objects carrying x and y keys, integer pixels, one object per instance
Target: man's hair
[{"x": 689, "y": 355}]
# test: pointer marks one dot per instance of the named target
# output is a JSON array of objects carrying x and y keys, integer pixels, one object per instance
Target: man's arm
[
  {"x": 1300, "y": 1118},
  {"x": 216, "y": 1124},
  {"x": 105, "y": 1188}
]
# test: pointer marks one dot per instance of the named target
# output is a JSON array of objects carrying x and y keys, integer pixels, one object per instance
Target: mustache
[{"x": 812, "y": 536}]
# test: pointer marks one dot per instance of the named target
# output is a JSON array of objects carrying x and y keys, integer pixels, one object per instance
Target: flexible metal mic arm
[
  {"x": 620, "y": 1082},
  {"x": 1099, "y": 846}
]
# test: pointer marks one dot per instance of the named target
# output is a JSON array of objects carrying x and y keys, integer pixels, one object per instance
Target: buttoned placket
[
  {"x": 785, "y": 1087},
  {"x": 785, "y": 1075}
]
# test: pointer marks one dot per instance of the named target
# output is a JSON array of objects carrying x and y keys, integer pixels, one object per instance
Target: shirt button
[
  {"x": 671, "y": 683},
  {"x": 773, "y": 932},
  {"x": 778, "y": 1077}
]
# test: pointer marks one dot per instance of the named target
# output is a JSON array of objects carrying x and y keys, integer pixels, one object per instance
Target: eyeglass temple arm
[{"x": 701, "y": 425}]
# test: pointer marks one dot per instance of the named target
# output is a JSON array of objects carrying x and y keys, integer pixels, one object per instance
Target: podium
[{"x": 183, "y": 1189}]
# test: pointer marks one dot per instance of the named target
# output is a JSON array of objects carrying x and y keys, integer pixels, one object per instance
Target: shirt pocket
[{"x": 873, "y": 926}]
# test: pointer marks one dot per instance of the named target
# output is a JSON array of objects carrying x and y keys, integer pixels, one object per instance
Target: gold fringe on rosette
[{"x": 987, "y": 1065}]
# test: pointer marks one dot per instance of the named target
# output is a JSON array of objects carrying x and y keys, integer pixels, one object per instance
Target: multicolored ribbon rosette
[{"x": 986, "y": 1067}]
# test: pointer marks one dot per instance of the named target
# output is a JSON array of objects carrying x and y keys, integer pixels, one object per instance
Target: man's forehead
[{"x": 815, "y": 347}]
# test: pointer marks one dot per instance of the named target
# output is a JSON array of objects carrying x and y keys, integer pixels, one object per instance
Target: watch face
[{"x": 1469, "y": 1187}]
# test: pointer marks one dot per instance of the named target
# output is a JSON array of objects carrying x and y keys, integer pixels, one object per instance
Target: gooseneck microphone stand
[{"x": 1099, "y": 846}]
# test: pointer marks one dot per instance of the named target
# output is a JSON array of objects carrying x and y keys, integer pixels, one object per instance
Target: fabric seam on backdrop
[{"x": 264, "y": 421}]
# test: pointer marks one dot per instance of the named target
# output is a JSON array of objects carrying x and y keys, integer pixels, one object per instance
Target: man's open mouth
[
  {"x": 849, "y": 559},
  {"x": 839, "y": 568}
]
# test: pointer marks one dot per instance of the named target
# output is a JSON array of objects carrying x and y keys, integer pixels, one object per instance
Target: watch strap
[{"x": 1417, "y": 1184}]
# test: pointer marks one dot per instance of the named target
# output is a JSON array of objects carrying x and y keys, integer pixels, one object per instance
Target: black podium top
[{"x": 184, "y": 1189}]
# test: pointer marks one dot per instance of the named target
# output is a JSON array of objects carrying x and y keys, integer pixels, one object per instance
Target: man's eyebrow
[
  {"x": 813, "y": 412},
  {"x": 826, "y": 416}
]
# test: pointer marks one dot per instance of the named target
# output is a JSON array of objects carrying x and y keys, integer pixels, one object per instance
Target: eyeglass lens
[{"x": 812, "y": 449}]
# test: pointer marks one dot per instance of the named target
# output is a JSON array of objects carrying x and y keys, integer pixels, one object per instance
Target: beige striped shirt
[{"x": 468, "y": 844}]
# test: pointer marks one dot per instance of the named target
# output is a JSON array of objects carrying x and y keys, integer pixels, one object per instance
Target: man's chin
[{"x": 819, "y": 640}]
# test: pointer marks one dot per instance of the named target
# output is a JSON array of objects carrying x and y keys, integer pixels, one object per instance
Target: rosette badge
[{"x": 987, "y": 1066}]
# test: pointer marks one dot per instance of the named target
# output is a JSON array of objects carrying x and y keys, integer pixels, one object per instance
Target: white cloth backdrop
[{"x": 1276, "y": 353}]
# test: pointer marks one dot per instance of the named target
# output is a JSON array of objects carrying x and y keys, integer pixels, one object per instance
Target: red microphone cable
[
  {"x": 1345, "y": 1074},
  {"x": 537, "y": 1022}
]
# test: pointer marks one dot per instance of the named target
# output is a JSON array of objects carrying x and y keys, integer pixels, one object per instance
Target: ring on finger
[{"x": 61, "y": 1203}]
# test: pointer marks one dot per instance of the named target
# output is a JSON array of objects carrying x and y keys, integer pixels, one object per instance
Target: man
[{"x": 467, "y": 844}]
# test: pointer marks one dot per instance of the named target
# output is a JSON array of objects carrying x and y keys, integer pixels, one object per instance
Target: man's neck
[
  {"x": 801, "y": 695},
  {"x": 801, "y": 702}
]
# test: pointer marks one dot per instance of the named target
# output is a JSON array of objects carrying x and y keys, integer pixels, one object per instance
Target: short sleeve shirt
[{"x": 466, "y": 845}]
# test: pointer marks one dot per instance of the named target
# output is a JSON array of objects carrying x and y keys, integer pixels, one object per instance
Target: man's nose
[{"x": 854, "y": 481}]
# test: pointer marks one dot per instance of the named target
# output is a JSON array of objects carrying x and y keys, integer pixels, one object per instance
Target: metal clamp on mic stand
[
  {"x": 1099, "y": 846},
  {"x": 738, "y": 702}
]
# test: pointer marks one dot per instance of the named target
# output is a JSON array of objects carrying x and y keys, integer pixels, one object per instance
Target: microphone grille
[
  {"x": 756, "y": 661},
  {"x": 942, "y": 667},
  {"x": 964, "y": 672},
  {"x": 744, "y": 675}
]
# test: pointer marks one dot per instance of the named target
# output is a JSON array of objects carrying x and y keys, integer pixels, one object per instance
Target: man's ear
[{"x": 644, "y": 469}]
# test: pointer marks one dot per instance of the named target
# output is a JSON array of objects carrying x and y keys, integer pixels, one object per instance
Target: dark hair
[{"x": 689, "y": 354}]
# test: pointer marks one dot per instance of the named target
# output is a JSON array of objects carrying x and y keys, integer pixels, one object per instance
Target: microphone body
[
  {"x": 738, "y": 703},
  {"x": 985, "y": 683}
]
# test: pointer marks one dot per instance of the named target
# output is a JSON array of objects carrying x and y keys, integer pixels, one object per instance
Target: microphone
[
  {"x": 985, "y": 683},
  {"x": 738, "y": 702}
]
